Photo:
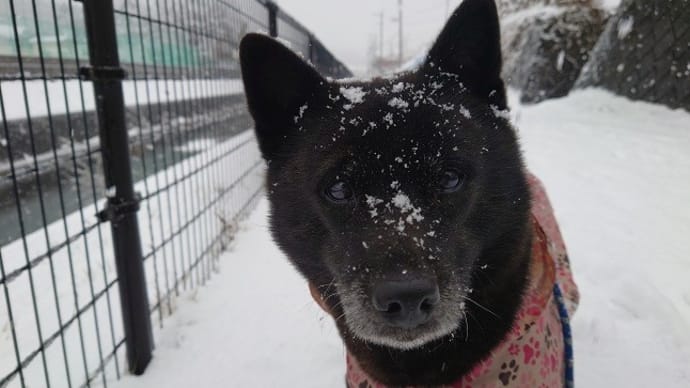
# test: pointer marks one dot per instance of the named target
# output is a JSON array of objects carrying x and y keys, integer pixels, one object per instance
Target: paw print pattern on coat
[{"x": 508, "y": 372}]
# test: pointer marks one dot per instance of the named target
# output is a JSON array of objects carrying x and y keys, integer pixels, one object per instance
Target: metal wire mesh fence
[
  {"x": 644, "y": 53},
  {"x": 73, "y": 152}
]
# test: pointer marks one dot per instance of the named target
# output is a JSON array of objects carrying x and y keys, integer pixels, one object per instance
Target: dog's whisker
[
  {"x": 339, "y": 317},
  {"x": 328, "y": 285},
  {"x": 326, "y": 298},
  {"x": 476, "y": 320},
  {"x": 327, "y": 290},
  {"x": 481, "y": 307},
  {"x": 336, "y": 305},
  {"x": 328, "y": 293}
]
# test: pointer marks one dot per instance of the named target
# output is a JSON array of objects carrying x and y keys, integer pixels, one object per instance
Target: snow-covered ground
[{"x": 618, "y": 173}]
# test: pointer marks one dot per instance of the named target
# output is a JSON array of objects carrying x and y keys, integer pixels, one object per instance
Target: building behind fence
[{"x": 162, "y": 156}]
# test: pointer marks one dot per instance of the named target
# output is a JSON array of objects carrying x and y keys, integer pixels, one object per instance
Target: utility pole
[
  {"x": 400, "y": 33},
  {"x": 381, "y": 34}
]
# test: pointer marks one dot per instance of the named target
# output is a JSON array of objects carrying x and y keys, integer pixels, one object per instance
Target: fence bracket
[
  {"x": 116, "y": 209},
  {"x": 102, "y": 73}
]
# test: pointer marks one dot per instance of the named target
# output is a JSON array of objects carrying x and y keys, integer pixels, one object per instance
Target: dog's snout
[{"x": 406, "y": 303}]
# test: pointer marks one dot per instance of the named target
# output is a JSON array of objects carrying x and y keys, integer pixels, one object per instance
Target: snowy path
[
  {"x": 253, "y": 325},
  {"x": 618, "y": 174}
]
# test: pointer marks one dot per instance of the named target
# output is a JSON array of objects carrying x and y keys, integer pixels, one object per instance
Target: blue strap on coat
[{"x": 567, "y": 337}]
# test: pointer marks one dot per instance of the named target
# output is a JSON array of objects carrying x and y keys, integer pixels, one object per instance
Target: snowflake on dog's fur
[
  {"x": 302, "y": 109},
  {"x": 402, "y": 202},
  {"x": 373, "y": 202},
  {"x": 354, "y": 94},
  {"x": 397, "y": 102}
]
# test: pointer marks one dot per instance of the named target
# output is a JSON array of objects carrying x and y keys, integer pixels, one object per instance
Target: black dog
[{"x": 403, "y": 201}]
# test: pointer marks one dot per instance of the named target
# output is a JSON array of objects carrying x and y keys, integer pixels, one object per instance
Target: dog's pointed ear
[
  {"x": 278, "y": 85},
  {"x": 470, "y": 47}
]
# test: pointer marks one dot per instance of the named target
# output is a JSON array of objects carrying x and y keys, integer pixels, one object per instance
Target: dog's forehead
[{"x": 387, "y": 117}]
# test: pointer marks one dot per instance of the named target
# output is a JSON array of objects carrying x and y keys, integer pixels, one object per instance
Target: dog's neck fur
[{"x": 447, "y": 359}]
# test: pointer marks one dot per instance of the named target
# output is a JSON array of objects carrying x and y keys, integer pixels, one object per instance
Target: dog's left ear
[
  {"x": 470, "y": 47},
  {"x": 279, "y": 86}
]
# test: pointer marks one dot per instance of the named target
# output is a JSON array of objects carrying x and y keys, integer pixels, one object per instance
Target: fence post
[
  {"x": 272, "y": 18},
  {"x": 123, "y": 203}
]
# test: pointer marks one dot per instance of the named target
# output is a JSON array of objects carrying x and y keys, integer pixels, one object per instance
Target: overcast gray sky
[{"x": 349, "y": 27}]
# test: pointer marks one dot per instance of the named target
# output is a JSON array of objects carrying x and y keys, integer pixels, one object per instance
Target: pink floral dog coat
[{"x": 532, "y": 354}]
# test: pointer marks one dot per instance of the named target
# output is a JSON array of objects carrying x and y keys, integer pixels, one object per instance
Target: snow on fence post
[{"x": 123, "y": 203}]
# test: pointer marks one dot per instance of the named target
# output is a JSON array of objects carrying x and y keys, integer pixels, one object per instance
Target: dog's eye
[
  {"x": 339, "y": 192},
  {"x": 450, "y": 181}
]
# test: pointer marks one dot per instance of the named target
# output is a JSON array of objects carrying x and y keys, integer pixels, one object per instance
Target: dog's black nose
[{"x": 406, "y": 303}]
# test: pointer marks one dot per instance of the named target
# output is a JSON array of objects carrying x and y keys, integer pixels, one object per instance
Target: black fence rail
[{"x": 125, "y": 163}]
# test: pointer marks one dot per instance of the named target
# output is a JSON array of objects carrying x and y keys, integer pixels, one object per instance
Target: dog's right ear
[
  {"x": 278, "y": 85},
  {"x": 469, "y": 46}
]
